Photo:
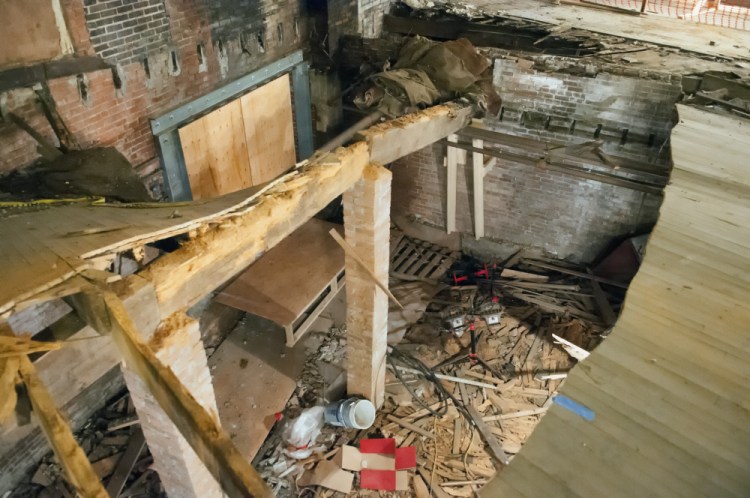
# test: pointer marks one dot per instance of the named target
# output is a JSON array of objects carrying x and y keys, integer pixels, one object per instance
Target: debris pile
[
  {"x": 471, "y": 370},
  {"x": 428, "y": 72},
  {"x": 114, "y": 444}
]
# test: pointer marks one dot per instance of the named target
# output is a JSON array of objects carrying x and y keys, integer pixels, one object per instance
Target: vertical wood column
[
  {"x": 477, "y": 161},
  {"x": 367, "y": 209},
  {"x": 177, "y": 343}
]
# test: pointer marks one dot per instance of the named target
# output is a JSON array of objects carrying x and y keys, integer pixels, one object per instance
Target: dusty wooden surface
[
  {"x": 283, "y": 283},
  {"x": 669, "y": 387}
]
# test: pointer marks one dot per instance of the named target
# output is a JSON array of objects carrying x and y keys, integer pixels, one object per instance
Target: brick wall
[
  {"x": 563, "y": 106},
  {"x": 371, "y": 17},
  {"x": 206, "y": 48},
  {"x": 126, "y": 30},
  {"x": 355, "y": 17},
  {"x": 539, "y": 209},
  {"x": 342, "y": 20}
]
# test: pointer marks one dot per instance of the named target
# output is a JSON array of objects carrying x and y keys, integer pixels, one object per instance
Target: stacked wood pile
[{"x": 114, "y": 444}]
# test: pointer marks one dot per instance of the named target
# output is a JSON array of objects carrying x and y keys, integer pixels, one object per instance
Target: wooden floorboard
[{"x": 671, "y": 385}]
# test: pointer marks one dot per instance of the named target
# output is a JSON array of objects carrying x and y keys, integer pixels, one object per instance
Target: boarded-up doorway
[{"x": 246, "y": 142}]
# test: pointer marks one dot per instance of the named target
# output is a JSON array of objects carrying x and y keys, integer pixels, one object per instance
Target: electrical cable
[{"x": 443, "y": 394}]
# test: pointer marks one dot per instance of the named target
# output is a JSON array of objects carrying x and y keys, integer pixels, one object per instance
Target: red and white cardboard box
[{"x": 380, "y": 464}]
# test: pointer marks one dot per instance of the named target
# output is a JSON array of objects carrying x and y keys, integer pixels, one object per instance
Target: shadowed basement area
[{"x": 325, "y": 248}]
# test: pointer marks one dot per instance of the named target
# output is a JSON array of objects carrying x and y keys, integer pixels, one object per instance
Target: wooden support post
[
  {"x": 477, "y": 159},
  {"x": 452, "y": 164},
  {"x": 177, "y": 344},
  {"x": 367, "y": 209},
  {"x": 200, "y": 428}
]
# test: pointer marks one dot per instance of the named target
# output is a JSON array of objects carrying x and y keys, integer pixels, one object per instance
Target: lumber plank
[
  {"x": 494, "y": 445},
  {"x": 568, "y": 271},
  {"x": 477, "y": 159},
  {"x": 215, "y": 151},
  {"x": 452, "y": 164},
  {"x": 126, "y": 463},
  {"x": 351, "y": 252},
  {"x": 263, "y": 289},
  {"x": 73, "y": 460}
]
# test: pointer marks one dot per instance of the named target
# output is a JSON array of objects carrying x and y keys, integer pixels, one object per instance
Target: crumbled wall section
[
  {"x": 531, "y": 207},
  {"x": 569, "y": 107},
  {"x": 125, "y": 30}
]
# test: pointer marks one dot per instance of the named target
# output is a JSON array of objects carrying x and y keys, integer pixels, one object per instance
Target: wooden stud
[
  {"x": 452, "y": 163},
  {"x": 477, "y": 159}
]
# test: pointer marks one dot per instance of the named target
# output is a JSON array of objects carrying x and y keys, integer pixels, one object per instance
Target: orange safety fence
[{"x": 726, "y": 13}]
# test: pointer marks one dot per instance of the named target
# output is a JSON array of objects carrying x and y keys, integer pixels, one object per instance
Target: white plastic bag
[{"x": 300, "y": 433}]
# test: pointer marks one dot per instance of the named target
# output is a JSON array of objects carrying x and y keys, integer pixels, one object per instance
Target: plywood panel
[
  {"x": 269, "y": 129},
  {"x": 254, "y": 374},
  {"x": 669, "y": 386},
  {"x": 283, "y": 283},
  {"x": 216, "y": 153}
]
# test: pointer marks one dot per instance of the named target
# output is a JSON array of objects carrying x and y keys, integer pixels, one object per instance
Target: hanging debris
[{"x": 428, "y": 72}]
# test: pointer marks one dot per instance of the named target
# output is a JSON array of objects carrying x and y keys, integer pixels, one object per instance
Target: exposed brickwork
[
  {"x": 355, "y": 17},
  {"x": 567, "y": 107},
  {"x": 119, "y": 117},
  {"x": 371, "y": 16},
  {"x": 525, "y": 206},
  {"x": 530, "y": 207},
  {"x": 342, "y": 20},
  {"x": 125, "y": 30}
]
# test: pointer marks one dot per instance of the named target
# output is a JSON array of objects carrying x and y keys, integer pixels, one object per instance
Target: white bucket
[{"x": 354, "y": 413}]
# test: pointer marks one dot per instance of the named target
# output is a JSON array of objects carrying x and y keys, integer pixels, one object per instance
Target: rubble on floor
[
  {"x": 116, "y": 448},
  {"x": 465, "y": 407}
]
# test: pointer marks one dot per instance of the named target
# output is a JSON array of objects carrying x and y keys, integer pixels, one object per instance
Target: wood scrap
[
  {"x": 352, "y": 253},
  {"x": 410, "y": 426},
  {"x": 126, "y": 463},
  {"x": 494, "y": 446}
]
